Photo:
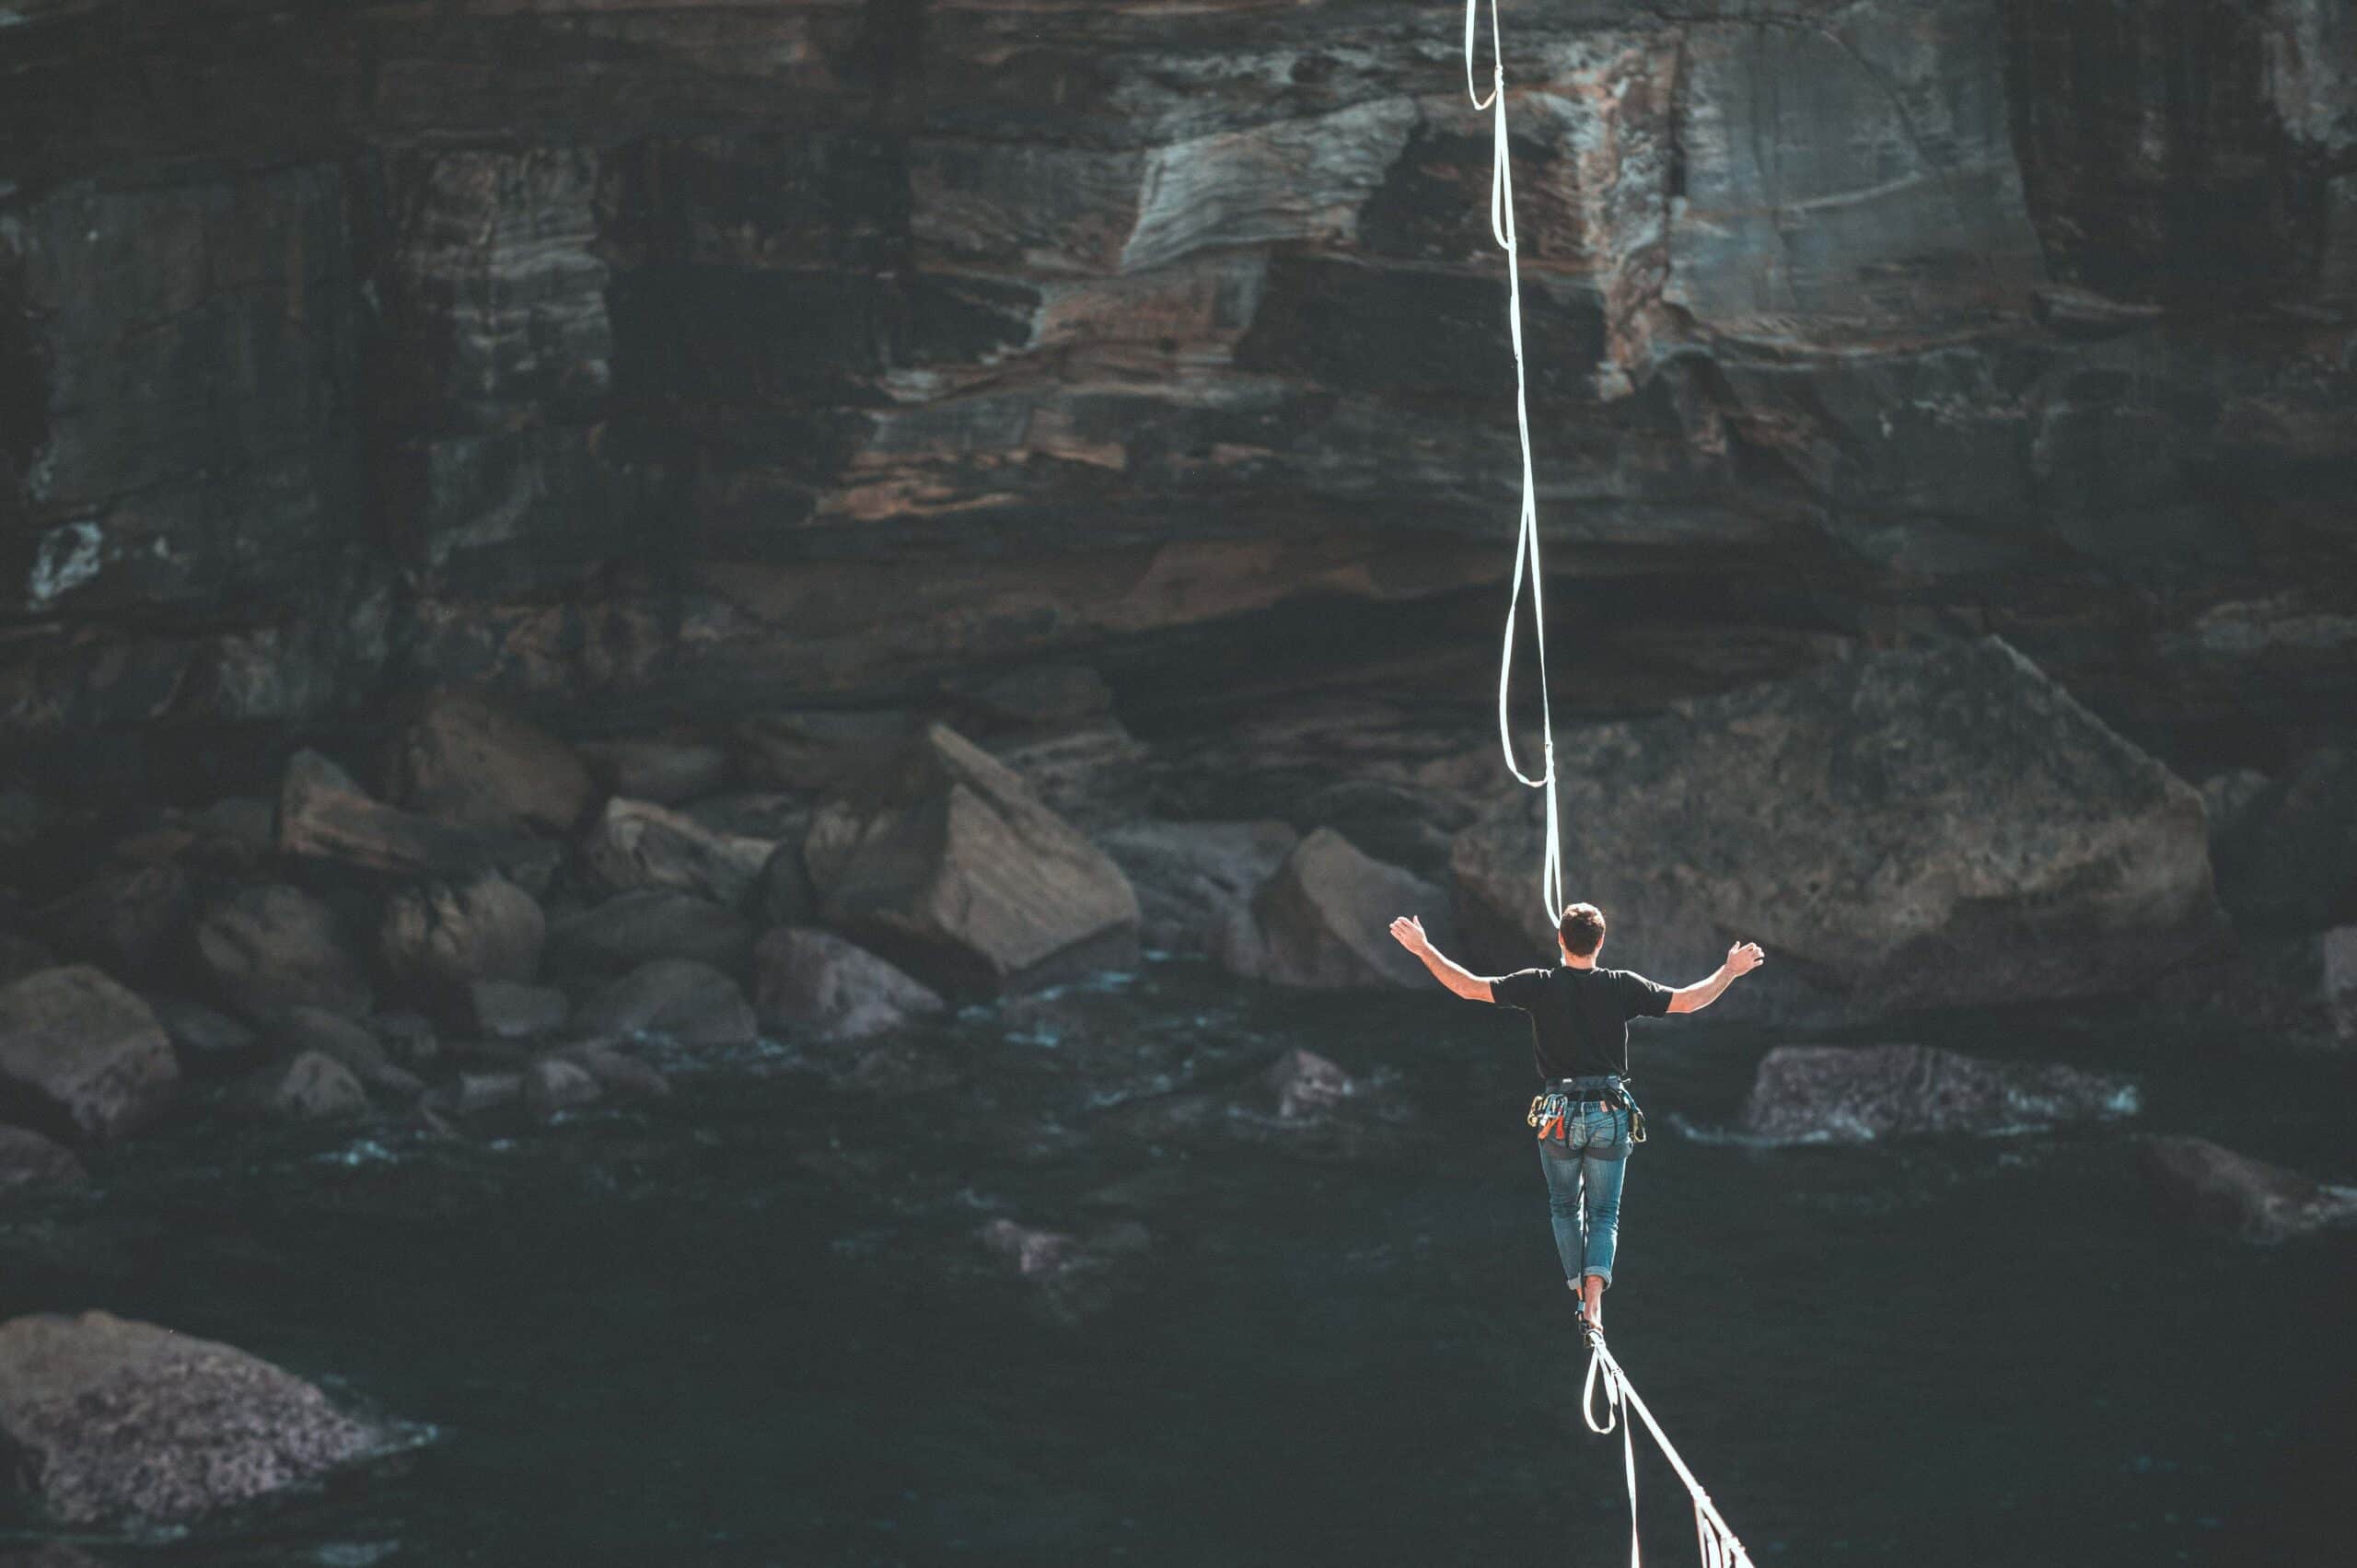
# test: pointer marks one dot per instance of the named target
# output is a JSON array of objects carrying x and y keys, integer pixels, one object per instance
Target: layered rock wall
[{"x": 706, "y": 354}]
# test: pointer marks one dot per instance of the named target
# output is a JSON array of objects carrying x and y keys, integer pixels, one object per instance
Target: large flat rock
[
  {"x": 1906, "y": 830},
  {"x": 944, "y": 861},
  {"x": 1851, "y": 1094},
  {"x": 121, "y": 1425}
]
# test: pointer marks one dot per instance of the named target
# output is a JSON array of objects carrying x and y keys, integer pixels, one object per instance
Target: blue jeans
[{"x": 1583, "y": 1174}]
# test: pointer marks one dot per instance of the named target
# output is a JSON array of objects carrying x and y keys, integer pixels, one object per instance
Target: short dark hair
[{"x": 1582, "y": 930}]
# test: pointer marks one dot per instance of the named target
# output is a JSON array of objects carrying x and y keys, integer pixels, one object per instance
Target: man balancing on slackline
[{"x": 1579, "y": 1029}]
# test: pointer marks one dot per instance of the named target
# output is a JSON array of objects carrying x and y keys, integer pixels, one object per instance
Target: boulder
[
  {"x": 323, "y": 815},
  {"x": 438, "y": 938},
  {"x": 123, "y": 920},
  {"x": 824, "y": 990},
  {"x": 207, "y": 1043},
  {"x": 239, "y": 830},
  {"x": 465, "y": 758},
  {"x": 2339, "y": 948},
  {"x": 409, "y": 1038},
  {"x": 639, "y": 844},
  {"x": 630, "y": 929},
  {"x": 1301, "y": 1083},
  {"x": 300, "y": 1030},
  {"x": 2286, "y": 849},
  {"x": 1851, "y": 1093},
  {"x": 552, "y": 1085},
  {"x": 677, "y": 999},
  {"x": 1191, "y": 878},
  {"x": 1324, "y": 920},
  {"x": 308, "y": 1087},
  {"x": 267, "y": 946},
  {"x": 472, "y": 1094},
  {"x": 1075, "y": 1275},
  {"x": 499, "y": 1009},
  {"x": 1913, "y": 829},
  {"x": 21, "y": 955},
  {"x": 29, "y": 1161},
  {"x": 821, "y": 750},
  {"x": 617, "y": 1071},
  {"x": 125, "y": 1425},
  {"x": 668, "y": 773},
  {"x": 2219, "y": 1189},
  {"x": 943, "y": 861},
  {"x": 82, "y": 1057}
]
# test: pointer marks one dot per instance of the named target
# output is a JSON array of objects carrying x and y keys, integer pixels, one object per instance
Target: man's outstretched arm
[
  {"x": 1742, "y": 959},
  {"x": 1409, "y": 931}
]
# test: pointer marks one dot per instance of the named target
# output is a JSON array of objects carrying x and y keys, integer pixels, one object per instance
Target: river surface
[{"x": 752, "y": 1323}]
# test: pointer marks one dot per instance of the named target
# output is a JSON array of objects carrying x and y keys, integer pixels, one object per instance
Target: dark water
[{"x": 752, "y": 1324}]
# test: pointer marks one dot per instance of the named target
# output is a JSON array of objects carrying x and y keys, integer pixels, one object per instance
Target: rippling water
[{"x": 752, "y": 1324}]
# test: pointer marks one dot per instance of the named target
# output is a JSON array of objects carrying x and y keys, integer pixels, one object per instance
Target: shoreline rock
[
  {"x": 1856, "y": 1093},
  {"x": 82, "y": 1056},
  {"x": 122, "y": 1424},
  {"x": 2216, "y": 1189}
]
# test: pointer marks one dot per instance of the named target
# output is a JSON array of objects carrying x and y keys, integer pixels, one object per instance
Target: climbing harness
[
  {"x": 1719, "y": 1546},
  {"x": 1551, "y": 1110},
  {"x": 1526, "y": 551},
  {"x": 1711, "y": 1532}
]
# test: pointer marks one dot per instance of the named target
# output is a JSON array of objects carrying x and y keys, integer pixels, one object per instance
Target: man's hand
[
  {"x": 1744, "y": 957},
  {"x": 1409, "y": 931}
]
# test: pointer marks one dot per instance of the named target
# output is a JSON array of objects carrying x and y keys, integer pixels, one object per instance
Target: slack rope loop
[
  {"x": 1526, "y": 552},
  {"x": 1716, "y": 1538}
]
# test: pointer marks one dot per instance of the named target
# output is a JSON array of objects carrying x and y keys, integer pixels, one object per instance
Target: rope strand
[
  {"x": 1719, "y": 1547},
  {"x": 1525, "y": 554}
]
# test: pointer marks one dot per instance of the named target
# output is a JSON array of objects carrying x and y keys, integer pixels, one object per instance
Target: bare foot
[{"x": 1592, "y": 1300}]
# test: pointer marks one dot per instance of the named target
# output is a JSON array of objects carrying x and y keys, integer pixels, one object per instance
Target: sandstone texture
[
  {"x": 465, "y": 758},
  {"x": 724, "y": 356},
  {"x": 120, "y": 1424},
  {"x": 1912, "y": 830}
]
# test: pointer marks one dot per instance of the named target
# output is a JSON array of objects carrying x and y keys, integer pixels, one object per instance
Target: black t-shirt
[{"x": 1579, "y": 1019}]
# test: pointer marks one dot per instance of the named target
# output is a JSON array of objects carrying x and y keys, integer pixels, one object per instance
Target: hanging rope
[
  {"x": 1719, "y": 1546},
  {"x": 1716, "y": 1537},
  {"x": 1526, "y": 550}
]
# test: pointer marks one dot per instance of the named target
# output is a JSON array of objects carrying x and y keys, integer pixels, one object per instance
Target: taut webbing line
[
  {"x": 1526, "y": 552},
  {"x": 1717, "y": 1539}
]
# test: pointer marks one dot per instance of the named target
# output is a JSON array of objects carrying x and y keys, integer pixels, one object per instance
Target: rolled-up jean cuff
[{"x": 1604, "y": 1274}]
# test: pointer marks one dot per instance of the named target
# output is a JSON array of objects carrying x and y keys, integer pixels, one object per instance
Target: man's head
[{"x": 1581, "y": 931}]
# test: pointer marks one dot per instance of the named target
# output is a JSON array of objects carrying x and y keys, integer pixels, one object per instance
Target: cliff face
[{"x": 649, "y": 353}]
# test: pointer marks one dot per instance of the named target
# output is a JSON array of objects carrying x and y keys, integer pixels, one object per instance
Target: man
[{"x": 1579, "y": 1031}]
